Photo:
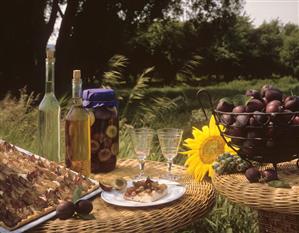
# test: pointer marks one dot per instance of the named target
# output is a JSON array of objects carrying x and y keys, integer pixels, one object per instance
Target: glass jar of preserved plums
[{"x": 102, "y": 105}]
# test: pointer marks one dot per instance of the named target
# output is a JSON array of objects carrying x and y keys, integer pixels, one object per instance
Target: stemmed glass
[
  {"x": 170, "y": 139},
  {"x": 142, "y": 141}
]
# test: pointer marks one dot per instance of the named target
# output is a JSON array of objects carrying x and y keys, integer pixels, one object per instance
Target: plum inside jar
[{"x": 104, "y": 133}]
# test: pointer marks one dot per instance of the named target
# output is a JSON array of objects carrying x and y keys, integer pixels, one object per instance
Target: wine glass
[
  {"x": 170, "y": 139},
  {"x": 142, "y": 140}
]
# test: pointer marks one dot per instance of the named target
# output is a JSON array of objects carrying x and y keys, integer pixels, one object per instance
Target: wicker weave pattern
[
  {"x": 261, "y": 196},
  {"x": 197, "y": 201}
]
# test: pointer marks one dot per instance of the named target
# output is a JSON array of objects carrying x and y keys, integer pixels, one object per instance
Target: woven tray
[
  {"x": 261, "y": 196},
  {"x": 197, "y": 201}
]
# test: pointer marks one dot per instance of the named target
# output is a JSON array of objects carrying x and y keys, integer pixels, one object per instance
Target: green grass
[
  {"x": 287, "y": 84},
  {"x": 156, "y": 108}
]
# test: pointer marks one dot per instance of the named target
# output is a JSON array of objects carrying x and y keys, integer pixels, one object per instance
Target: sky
[
  {"x": 260, "y": 10},
  {"x": 53, "y": 37}
]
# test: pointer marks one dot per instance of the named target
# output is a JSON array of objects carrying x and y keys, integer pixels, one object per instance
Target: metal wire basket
[{"x": 261, "y": 137}]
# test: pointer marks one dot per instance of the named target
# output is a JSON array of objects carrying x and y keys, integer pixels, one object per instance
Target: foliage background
[{"x": 196, "y": 42}]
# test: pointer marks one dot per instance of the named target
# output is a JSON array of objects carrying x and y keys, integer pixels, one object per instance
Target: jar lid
[{"x": 99, "y": 97}]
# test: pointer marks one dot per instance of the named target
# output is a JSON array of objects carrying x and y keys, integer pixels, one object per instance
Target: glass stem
[
  {"x": 169, "y": 166},
  {"x": 141, "y": 166}
]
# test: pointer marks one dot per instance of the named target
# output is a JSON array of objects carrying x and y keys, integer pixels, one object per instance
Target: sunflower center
[{"x": 211, "y": 148}]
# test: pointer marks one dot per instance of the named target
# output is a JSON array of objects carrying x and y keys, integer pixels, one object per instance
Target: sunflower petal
[
  {"x": 195, "y": 165},
  {"x": 212, "y": 124}
]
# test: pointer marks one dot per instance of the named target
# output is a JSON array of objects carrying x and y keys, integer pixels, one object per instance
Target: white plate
[{"x": 175, "y": 191}]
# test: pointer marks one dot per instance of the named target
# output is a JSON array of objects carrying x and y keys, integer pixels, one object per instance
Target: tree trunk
[
  {"x": 63, "y": 66},
  {"x": 41, "y": 45}
]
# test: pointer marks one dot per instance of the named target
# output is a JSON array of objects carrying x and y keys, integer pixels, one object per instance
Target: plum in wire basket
[{"x": 253, "y": 175}]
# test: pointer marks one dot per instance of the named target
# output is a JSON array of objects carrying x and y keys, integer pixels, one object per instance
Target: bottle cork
[
  {"x": 50, "y": 54},
  {"x": 77, "y": 75}
]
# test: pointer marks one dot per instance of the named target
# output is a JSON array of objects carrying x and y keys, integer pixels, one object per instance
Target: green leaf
[
  {"x": 238, "y": 100},
  {"x": 86, "y": 216},
  {"x": 77, "y": 194},
  {"x": 226, "y": 99},
  {"x": 247, "y": 99},
  {"x": 279, "y": 184},
  {"x": 241, "y": 100}
]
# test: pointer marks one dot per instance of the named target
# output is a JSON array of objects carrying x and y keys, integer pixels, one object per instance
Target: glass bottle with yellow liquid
[{"x": 77, "y": 131}]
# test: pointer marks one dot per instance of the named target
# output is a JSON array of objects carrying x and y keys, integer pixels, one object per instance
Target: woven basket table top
[
  {"x": 197, "y": 201},
  {"x": 261, "y": 196}
]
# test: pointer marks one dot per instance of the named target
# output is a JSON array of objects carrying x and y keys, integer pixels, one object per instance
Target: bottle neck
[
  {"x": 77, "y": 92},
  {"x": 50, "y": 75}
]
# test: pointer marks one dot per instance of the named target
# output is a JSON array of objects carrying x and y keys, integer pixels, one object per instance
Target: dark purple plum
[
  {"x": 239, "y": 109},
  {"x": 284, "y": 118},
  {"x": 287, "y": 98},
  {"x": 269, "y": 174},
  {"x": 260, "y": 117},
  {"x": 274, "y": 106},
  {"x": 227, "y": 119},
  {"x": 83, "y": 207},
  {"x": 273, "y": 94},
  {"x": 265, "y": 101},
  {"x": 253, "y": 121},
  {"x": 224, "y": 106},
  {"x": 292, "y": 103},
  {"x": 253, "y": 93},
  {"x": 264, "y": 88},
  {"x": 235, "y": 131},
  {"x": 252, "y": 174},
  {"x": 65, "y": 210},
  {"x": 254, "y": 105},
  {"x": 295, "y": 121},
  {"x": 242, "y": 120}
]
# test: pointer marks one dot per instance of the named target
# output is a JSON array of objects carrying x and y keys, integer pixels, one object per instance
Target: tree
[
  {"x": 231, "y": 54},
  {"x": 164, "y": 45},
  {"x": 93, "y": 31},
  {"x": 289, "y": 53},
  {"x": 268, "y": 41},
  {"x": 42, "y": 37},
  {"x": 25, "y": 32},
  {"x": 63, "y": 47},
  {"x": 96, "y": 30}
]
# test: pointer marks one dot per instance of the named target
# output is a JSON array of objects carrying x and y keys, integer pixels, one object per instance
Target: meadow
[{"x": 142, "y": 105}]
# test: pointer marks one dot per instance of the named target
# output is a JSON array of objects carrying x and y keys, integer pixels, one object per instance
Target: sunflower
[{"x": 204, "y": 149}]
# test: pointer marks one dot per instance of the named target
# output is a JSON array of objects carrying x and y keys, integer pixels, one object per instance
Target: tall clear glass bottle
[
  {"x": 49, "y": 116},
  {"x": 77, "y": 131}
]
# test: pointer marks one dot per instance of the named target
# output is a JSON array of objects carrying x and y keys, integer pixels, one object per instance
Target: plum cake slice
[{"x": 146, "y": 191}]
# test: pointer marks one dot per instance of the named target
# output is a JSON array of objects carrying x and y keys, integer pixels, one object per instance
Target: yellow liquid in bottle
[{"x": 77, "y": 132}]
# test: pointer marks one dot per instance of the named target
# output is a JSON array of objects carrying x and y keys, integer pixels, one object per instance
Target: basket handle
[{"x": 200, "y": 93}]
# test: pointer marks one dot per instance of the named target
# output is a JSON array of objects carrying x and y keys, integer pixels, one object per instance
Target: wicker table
[
  {"x": 197, "y": 201},
  {"x": 278, "y": 208}
]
